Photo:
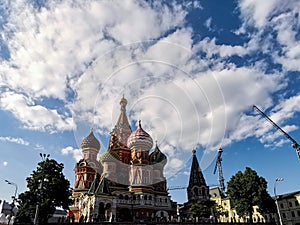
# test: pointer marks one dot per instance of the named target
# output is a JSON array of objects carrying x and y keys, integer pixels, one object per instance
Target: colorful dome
[
  {"x": 157, "y": 156},
  {"x": 90, "y": 142},
  {"x": 109, "y": 156},
  {"x": 140, "y": 139}
]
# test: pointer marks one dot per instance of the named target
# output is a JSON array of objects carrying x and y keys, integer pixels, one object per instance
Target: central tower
[
  {"x": 122, "y": 129},
  {"x": 140, "y": 176}
]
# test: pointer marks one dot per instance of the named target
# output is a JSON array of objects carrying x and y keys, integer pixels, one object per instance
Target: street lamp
[
  {"x": 278, "y": 210},
  {"x": 14, "y": 199},
  {"x": 36, "y": 216}
]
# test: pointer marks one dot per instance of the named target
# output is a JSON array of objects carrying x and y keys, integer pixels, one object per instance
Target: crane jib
[{"x": 295, "y": 145}]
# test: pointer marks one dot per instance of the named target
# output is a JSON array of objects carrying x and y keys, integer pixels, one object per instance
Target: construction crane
[
  {"x": 219, "y": 166},
  {"x": 295, "y": 145}
]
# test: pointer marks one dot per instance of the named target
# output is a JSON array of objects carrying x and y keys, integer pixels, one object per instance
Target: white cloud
[
  {"x": 19, "y": 141},
  {"x": 176, "y": 163},
  {"x": 282, "y": 18},
  {"x": 267, "y": 134},
  {"x": 5, "y": 163},
  {"x": 99, "y": 50},
  {"x": 39, "y": 147},
  {"x": 36, "y": 117},
  {"x": 258, "y": 12},
  {"x": 210, "y": 47},
  {"x": 69, "y": 150}
]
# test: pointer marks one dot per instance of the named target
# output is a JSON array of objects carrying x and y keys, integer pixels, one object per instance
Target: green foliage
[
  {"x": 47, "y": 186},
  {"x": 202, "y": 209},
  {"x": 247, "y": 190},
  {"x": 220, "y": 211}
]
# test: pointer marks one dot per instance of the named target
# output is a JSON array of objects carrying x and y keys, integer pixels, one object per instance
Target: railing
[
  {"x": 152, "y": 223},
  {"x": 143, "y": 202}
]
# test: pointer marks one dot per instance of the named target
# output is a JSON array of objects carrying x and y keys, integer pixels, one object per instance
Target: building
[
  {"x": 289, "y": 208},
  {"x": 6, "y": 211},
  {"x": 127, "y": 183},
  {"x": 197, "y": 190},
  {"x": 199, "y": 193},
  {"x": 229, "y": 214},
  {"x": 288, "y": 204}
]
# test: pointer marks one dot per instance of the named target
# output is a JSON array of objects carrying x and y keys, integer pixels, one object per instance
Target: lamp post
[
  {"x": 36, "y": 216},
  {"x": 276, "y": 202},
  {"x": 14, "y": 199}
]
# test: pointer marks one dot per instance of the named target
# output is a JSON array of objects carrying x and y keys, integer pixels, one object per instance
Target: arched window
[
  {"x": 203, "y": 191},
  {"x": 108, "y": 206},
  {"x": 196, "y": 191}
]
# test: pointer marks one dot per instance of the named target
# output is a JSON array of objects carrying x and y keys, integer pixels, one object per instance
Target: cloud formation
[
  {"x": 83, "y": 55},
  {"x": 19, "y": 141},
  {"x": 76, "y": 153}
]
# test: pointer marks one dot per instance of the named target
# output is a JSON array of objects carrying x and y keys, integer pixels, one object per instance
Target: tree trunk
[{"x": 250, "y": 216}]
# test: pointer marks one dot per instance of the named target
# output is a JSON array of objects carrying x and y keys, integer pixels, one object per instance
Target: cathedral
[{"x": 127, "y": 183}]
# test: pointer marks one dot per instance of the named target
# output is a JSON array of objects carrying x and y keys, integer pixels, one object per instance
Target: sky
[{"x": 190, "y": 70}]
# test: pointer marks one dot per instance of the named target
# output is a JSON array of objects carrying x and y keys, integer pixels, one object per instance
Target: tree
[
  {"x": 219, "y": 211},
  {"x": 202, "y": 210},
  {"x": 247, "y": 190},
  {"x": 48, "y": 188}
]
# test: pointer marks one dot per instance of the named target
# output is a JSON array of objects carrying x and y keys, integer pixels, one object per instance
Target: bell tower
[
  {"x": 197, "y": 189},
  {"x": 88, "y": 166}
]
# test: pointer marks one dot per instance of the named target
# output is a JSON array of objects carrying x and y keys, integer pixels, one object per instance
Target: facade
[
  {"x": 288, "y": 204},
  {"x": 127, "y": 183},
  {"x": 6, "y": 211},
  {"x": 230, "y": 214},
  {"x": 289, "y": 208}
]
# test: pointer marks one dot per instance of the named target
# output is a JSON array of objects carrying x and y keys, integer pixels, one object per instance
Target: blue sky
[{"x": 190, "y": 71}]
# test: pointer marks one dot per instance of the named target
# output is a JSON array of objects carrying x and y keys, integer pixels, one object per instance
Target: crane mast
[
  {"x": 219, "y": 167},
  {"x": 295, "y": 145}
]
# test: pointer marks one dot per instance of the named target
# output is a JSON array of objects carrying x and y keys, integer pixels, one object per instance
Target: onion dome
[
  {"x": 109, "y": 156},
  {"x": 140, "y": 139},
  {"x": 90, "y": 142},
  {"x": 157, "y": 156}
]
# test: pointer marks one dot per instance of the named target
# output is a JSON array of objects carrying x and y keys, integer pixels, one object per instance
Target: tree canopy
[
  {"x": 206, "y": 209},
  {"x": 247, "y": 190},
  {"x": 48, "y": 187}
]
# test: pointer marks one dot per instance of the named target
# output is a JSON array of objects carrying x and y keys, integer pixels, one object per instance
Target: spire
[
  {"x": 122, "y": 128},
  {"x": 197, "y": 189},
  {"x": 140, "y": 125},
  {"x": 194, "y": 152},
  {"x": 196, "y": 175}
]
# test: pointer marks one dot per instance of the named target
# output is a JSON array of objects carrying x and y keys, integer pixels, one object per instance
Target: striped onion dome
[
  {"x": 140, "y": 139},
  {"x": 109, "y": 156},
  {"x": 90, "y": 142}
]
